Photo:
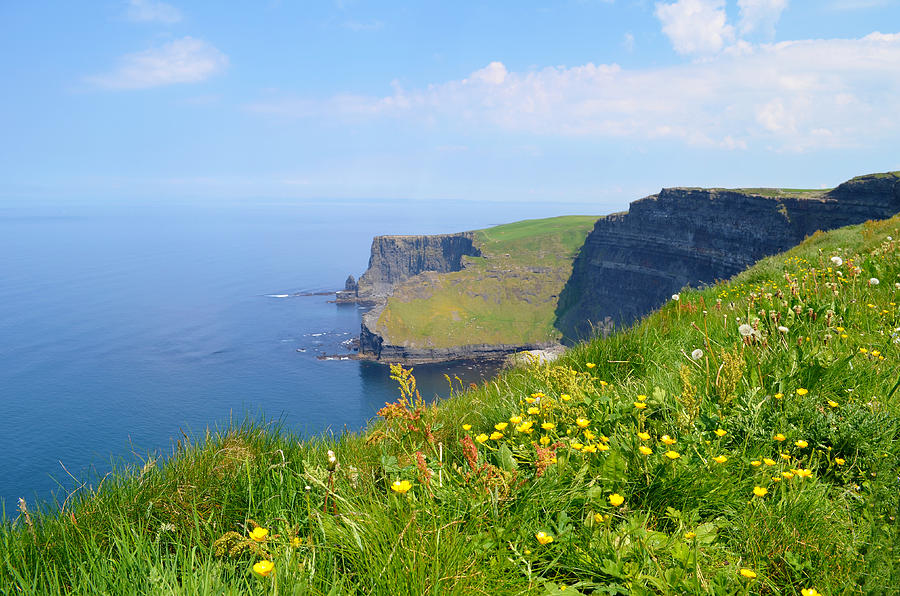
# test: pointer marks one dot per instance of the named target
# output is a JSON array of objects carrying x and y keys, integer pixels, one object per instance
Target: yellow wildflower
[
  {"x": 264, "y": 568},
  {"x": 515, "y": 419},
  {"x": 576, "y": 446},
  {"x": 582, "y": 422},
  {"x": 756, "y": 463},
  {"x": 787, "y": 475},
  {"x": 501, "y": 425},
  {"x": 496, "y": 435},
  {"x": 786, "y": 456},
  {"x": 690, "y": 535},
  {"x": 616, "y": 499},
  {"x": 603, "y": 383},
  {"x": 779, "y": 437},
  {"x": 642, "y": 398},
  {"x": 839, "y": 461},
  {"x": 533, "y": 411},
  {"x": 809, "y": 592},
  {"x": 720, "y": 433},
  {"x": 467, "y": 427},
  {"x": 832, "y": 403},
  {"x": 645, "y": 450},
  {"x": 801, "y": 444},
  {"x": 548, "y": 426},
  {"x": 804, "y": 472},
  {"x": 589, "y": 435},
  {"x": 259, "y": 534},
  {"x": 640, "y": 405},
  {"x": 589, "y": 449},
  {"x": 598, "y": 518},
  {"x": 672, "y": 454},
  {"x": 565, "y": 397},
  {"x": 779, "y": 395},
  {"x": 401, "y": 486},
  {"x": 296, "y": 541},
  {"x": 802, "y": 391},
  {"x": 720, "y": 459},
  {"x": 544, "y": 538},
  {"x": 545, "y": 441},
  {"x": 482, "y": 438},
  {"x": 760, "y": 491},
  {"x": 602, "y": 447},
  {"x": 748, "y": 573},
  {"x": 768, "y": 461},
  {"x": 590, "y": 364},
  {"x": 644, "y": 436},
  {"x": 667, "y": 440}
]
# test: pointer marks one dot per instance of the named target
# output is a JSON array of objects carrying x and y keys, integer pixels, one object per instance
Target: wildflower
[
  {"x": 785, "y": 456},
  {"x": 832, "y": 403},
  {"x": 779, "y": 437},
  {"x": 525, "y": 427},
  {"x": 667, "y": 440},
  {"x": 804, "y": 472},
  {"x": 697, "y": 354},
  {"x": 809, "y": 592},
  {"x": 515, "y": 419},
  {"x": 768, "y": 461},
  {"x": 467, "y": 427},
  {"x": 482, "y": 438},
  {"x": 401, "y": 486},
  {"x": 602, "y": 447},
  {"x": 534, "y": 411},
  {"x": 603, "y": 383},
  {"x": 545, "y": 441},
  {"x": 598, "y": 518},
  {"x": 640, "y": 405},
  {"x": 779, "y": 395},
  {"x": 676, "y": 297},
  {"x": 590, "y": 364},
  {"x": 296, "y": 541},
  {"x": 838, "y": 261},
  {"x": 548, "y": 426},
  {"x": 839, "y": 461},
  {"x": 642, "y": 397},
  {"x": 644, "y": 436},
  {"x": 802, "y": 391},
  {"x": 745, "y": 330},
  {"x": 720, "y": 459},
  {"x": 756, "y": 463},
  {"x": 565, "y": 397},
  {"x": 748, "y": 573},
  {"x": 801, "y": 444},
  {"x": 332, "y": 461},
  {"x": 783, "y": 329},
  {"x": 720, "y": 433},
  {"x": 873, "y": 281},
  {"x": 530, "y": 400},
  {"x": 576, "y": 446},
  {"x": 690, "y": 535},
  {"x": 672, "y": 454},
  {"x": 788, "y": 475},
  {"x": 264, "y": 568},
  {"x": 544, "y": 538},
  {"x": 589, "y": 435},
  {"x": 616, "y": 499},
  {"x": 760, "y": 491},
  {"x": 496, "y": 435},
  {"x": 645, "y": 450},
  {"x": 589, "y": 449},
  {"x": 582, "y": 422},
  {"x": 259, "y": 534},
  {"x": 501, "y": 425}
]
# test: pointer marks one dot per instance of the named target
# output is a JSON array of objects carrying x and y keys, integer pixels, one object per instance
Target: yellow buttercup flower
[
  {"x": 832, "y": 403},
  {"x": 616, "y": 499},
  {"x": 482, "y": 438},
  {"x": 264, "y": 567},
  {"x": 589, "y": 435},
  {"x": 544, "y": 538},
  {"x": 296, "y": 541},
  {"x": 640, "y": 405},
  {"x": 672, "y": 454},
  {"x": 690, "y": 535},
  {"x": 642, "y": 397},
  {"x": 804, "y": 472},
  {"x": 401, "y": 486},
  {"x": 644, "y": 436},
  {"x": 515, "y": 419},
  {"x": 582, "y": 422},
  {"x": 667, "y": 440},
  {"x": 259, "y": 534},
  {"x": 565, "y": 397},
  {"x": 548, "y": 426},
  {"x": 598, "y": 518},
  {"x": 760, "y": 491},
  {"x": 645, "y": 450},
  {"x": 576, "y": 446},
  {"x": 545, "y": 441},
  {"x": 530, "y": 400},
  {"x": 720, "y": 459},
  {"x": 801, "y": 444},
  {"x": 779, "y": 437},
  {"x": 809, "y": 592},
  {"x": 496, "y": 435},
  {"x": 603, "y": 383},
  {"x": 839, "y": 461},
  {"x": 787, "y": 475},
  {"x": 748, "y": 573},
  {"x": 720, "y": 433},
  {"x": 785, "y": 456},
  {"x": 590, "y": 364},
  {"x": 534, "y": 411},
  {"x": 756, "y": 463},
  {"x": 501, "y": 425},
  {"x": 467, "y": 427},
  {"x": 602, "y": 447},
  {"x": 802, "y": 391},
  {"x": 589, "y": 449},
  {"x": 779, "y": 395}
]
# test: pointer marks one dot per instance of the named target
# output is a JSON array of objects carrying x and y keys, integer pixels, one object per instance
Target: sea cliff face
[
  {"x": 395, "y": 259},
  {"x": 631, "y": 263}
]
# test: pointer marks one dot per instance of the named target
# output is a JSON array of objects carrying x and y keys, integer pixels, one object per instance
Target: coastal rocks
[{"x": 632, "y": 262}]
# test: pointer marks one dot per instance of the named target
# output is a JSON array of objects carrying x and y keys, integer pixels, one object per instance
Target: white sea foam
[{"x": 277, "y": 295}]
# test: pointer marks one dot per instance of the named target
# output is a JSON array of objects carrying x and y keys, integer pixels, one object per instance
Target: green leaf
[{"x": 505, "y": 458}]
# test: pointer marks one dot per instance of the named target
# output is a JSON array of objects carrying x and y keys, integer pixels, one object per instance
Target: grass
[
  {"x": 767, "y": 464},
  {"x": 507, "y": 296}
]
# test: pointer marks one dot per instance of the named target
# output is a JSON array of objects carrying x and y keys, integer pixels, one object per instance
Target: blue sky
[{"x": 593, "y": 101}]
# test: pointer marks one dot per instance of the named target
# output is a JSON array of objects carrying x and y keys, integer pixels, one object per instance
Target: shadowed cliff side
[{"x": 632, "y": 262}]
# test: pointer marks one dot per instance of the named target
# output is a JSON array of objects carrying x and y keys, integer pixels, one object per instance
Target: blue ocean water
[{"x": 124, "y": 323}]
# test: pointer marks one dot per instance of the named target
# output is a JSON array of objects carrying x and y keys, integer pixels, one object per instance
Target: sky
[{"x": 588, "y": 101}]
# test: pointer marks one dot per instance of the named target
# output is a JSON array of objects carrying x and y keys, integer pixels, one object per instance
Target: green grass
[
  {"x": 783, "y": 192},
  {"x": 507, "y": 296},
  {"x": 828, "y": 382}
]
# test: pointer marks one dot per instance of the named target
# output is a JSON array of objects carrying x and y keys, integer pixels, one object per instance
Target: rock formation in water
[{"x": 632, "y": 262}]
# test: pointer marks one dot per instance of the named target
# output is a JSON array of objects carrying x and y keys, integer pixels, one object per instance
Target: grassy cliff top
[
  {"x": 506, "y": 296},
  {"x": 744, "y": 439}
]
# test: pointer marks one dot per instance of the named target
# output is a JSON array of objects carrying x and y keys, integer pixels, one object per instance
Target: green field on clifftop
[{"x": 506, "y": 296}]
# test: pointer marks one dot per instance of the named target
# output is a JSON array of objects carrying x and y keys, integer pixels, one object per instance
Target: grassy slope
[
  {"x": 686, "y": 525},
  {"x": 506, "y": 297}
]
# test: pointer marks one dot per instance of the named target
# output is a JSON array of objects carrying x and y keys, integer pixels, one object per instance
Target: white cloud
[
  {"x": 152, "y": 11},
  {"x": 695, "y": 26},
  {"x": 792, "y": 96},
  {"x": 760, "y": 16},
  {"x": 185, "y": 60},
  {"x": 628, "y": 42}
]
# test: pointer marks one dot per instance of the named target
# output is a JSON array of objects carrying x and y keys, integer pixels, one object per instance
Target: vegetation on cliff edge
[{"x": 744, "y": 439}]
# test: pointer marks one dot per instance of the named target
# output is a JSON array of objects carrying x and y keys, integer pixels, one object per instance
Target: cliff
[
  {"x": 395, "y": 259},
  {"x": 632, "y": 262}
]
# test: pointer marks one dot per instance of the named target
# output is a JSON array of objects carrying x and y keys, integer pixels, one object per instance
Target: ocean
[{"x": 124, "y": 324}]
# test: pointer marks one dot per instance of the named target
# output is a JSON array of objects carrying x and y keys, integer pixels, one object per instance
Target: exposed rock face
[
  {"x": 631, "y": 263},
  {"x": 397, "y": 258}
]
